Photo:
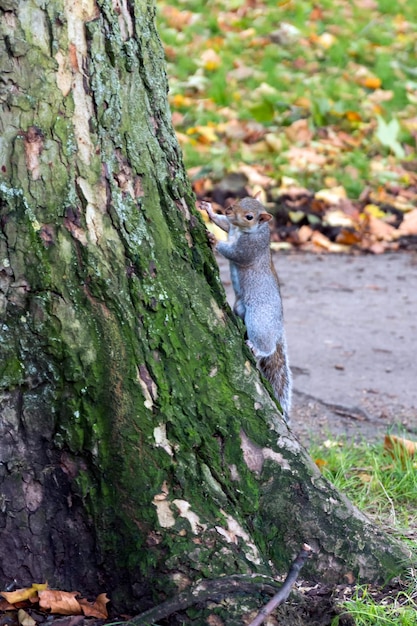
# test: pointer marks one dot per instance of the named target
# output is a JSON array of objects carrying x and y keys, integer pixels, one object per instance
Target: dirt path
[{"x": 351, "y": 324}]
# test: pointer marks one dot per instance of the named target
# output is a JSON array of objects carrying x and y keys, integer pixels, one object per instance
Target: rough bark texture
[{"x": 139, "y": 450}]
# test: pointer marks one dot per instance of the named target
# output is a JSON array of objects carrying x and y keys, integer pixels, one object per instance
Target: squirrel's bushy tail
[{"x": 276, "y": 370}]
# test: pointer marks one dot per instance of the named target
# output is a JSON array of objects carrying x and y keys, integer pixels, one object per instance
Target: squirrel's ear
[
  {"x": 265, "y": 217},
  {"x": 258, "y": 194}
]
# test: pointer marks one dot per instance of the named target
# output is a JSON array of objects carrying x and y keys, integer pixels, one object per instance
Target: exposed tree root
[{"x": 217, "y": 590}]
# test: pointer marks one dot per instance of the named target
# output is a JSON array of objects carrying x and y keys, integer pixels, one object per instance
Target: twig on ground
[
  {"x": 205, "y": 591},
  {"x": 284, "y": 592}
]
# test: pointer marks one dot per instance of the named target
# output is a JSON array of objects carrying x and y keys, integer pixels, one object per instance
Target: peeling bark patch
[
  {"x": 182, "y": 205},
  {"x": 64, "y": 75},
  {"x": 161, "y": 440},
  {"x": 96, "y": 204},
  {"x": 73, "y": 224},
  {"x": 252, "y": 454},
  {"x": 148, "y": 386},
  {"x": 255, "y": 456},
  {"x": 217, "y": 311},
  {"x": 33, "y": 139},
  {"x": 184, "y": 509},
  {"x": 124, "y": 19},
  {"x": 234, "y": 532},
  {"x": 166, "y": 517},
  {"x": 77, "y": 13}
]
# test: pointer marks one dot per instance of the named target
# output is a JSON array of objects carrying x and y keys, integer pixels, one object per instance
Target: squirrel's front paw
[
  {"x": 206, "y": 206},
  {"x": 212, "y": 239}
]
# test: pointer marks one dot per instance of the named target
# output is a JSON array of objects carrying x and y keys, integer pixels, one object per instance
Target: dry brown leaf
[
  {"x": 305, "y": 158},
  {"x": 97, "y": 608},
  {"x": 6, "y": 606},
  {"x": 255, "y": 176},
  {"x": 321, "y": 240},
  {"x": 409, "y": 224},
  {"x": 61, "y": 602},
  {"x": 348, "y": 237},
  {"x": 299, "y": 131},
  {"x": 304, "y": 233},
  {"x": 404, "y": 447},
  {"x": 381, "y": 230}
]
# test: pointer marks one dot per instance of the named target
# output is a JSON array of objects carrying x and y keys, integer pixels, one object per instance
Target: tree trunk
[{"x": 139, "y": 450}]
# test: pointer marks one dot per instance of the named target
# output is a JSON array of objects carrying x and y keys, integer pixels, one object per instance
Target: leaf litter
[{"x": 306, "y": 100}]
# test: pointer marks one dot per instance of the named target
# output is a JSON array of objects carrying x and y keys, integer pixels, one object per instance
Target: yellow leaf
[
  {"x": 374, "y": 210},
  {"x": 20, "y": 595},
  {"x": 178, "y": 100},
  {"x": 205, "y": 134},
  {"x": 320, "y": 463},
  {"x": 210, "y": 60}
]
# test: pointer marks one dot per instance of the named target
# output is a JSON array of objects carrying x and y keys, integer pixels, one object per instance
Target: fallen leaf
[
  {"x": 305, "y": 158},
  {"x": 6, "y": 606},
  {"x": 326, "y": 40},
  {"x": 338, "y": 218},
  {"x": 25, "y": 619},
  {"x": 379, "y": 229},
  {"x": 97, "y": 608},
  {"x": 409, "y": 224},
  {"x": 371, "y": 82},
  {"x": 20, "y": 595},
  {"x": 374, "y": 210},
  {"x": 405, "y": 448},
  {"x": 332, "y": 196},
  {"x": 353, "y": 116},
  {"x": 348, "y": 237},
  {"x": 304, "y": 233},
  {"x": 299, "y": 131},
  {"x": 61, "y": 602},
  {"x": 364, "y": 477},
  {"x": 210, "y": 60},
  {"x": 387, "y": 133}
]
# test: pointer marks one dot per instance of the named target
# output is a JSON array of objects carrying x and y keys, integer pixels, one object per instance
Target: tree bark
[{"x": 139, "y": 449}]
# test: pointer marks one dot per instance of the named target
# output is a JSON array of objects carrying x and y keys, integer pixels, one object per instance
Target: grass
[
  {"x": 385, "y": 488},
  {"x": 240, "y": 71}
]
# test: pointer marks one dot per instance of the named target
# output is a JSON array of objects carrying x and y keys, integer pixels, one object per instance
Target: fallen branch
[{"x": 284, "y": 592}]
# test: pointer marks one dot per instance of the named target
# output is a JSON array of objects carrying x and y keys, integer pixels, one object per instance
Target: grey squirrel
[{"x": 255, "y": 282}]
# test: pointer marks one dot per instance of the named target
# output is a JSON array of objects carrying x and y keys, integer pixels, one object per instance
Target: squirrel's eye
[{"x": 249, "y": 217}]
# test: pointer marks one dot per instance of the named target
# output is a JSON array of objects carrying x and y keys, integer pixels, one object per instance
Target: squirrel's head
[{"x": 247, "y": 213}]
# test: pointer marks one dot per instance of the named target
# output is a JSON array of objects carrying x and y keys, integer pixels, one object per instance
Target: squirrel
[{"x": 255, "y": 283}]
